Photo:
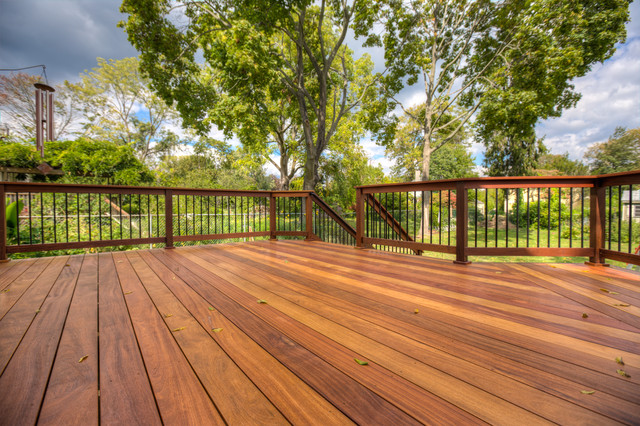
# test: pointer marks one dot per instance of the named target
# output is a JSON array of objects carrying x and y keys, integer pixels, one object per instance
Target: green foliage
[
  {"x": 18, "y": 154},
  {"x": 110, "y": 95},
  {"x": 548, "y": 44},
  {"x": 620, "y": 153},
  {"x": 555, "y": 164},
  {"x": 87, "y": 161},
  {"x": 559, "y": 213},
  {"x": 12, "y": 211},
  {"x": 269, "y": 66}
]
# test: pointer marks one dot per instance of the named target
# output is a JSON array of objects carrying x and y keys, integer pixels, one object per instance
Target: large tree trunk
[{"x": 426, "y": 195}]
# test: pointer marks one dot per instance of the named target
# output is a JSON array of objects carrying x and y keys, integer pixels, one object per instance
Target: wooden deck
[{"x": 179, "y": 337}]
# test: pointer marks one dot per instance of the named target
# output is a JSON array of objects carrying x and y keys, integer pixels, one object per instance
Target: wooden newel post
[
  {"x": 596, "y": 223},
  {"x": 359, "y": 218},
  {"x": 272, "y": 217},
  {"x": 168, "y": 218},
  {"x": 3, "y": 227},
  {"x": 308, "y": 215},
  {"x": 462, "y": 219}
]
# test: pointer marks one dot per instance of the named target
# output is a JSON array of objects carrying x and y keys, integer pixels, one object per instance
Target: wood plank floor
[{"x": 269, "y": 333}]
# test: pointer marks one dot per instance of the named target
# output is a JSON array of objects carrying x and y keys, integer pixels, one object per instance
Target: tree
[
  {"x": 550, "y": 43},
  {"x": 448, "y": 161},
  {"x": 255, "y": 51},
  {"x": 512, "y": 58},
  {"x": 621, "y": 153},
  {"x": 118, "y": 106},
  {"x": 17, "y": 103},
  {"x": 562, "y": 165}
]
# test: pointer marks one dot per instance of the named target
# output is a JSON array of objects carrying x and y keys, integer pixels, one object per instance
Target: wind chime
[{"x": 44, "y": 115}]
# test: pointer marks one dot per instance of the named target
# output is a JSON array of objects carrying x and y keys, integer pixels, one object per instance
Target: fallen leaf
[
  {"x": 216, "y": 330},
  {"x": 586, "y": 392},
  {"x": 168, "y": 315},
  {"x": 361, "y": 362},
  {"x": 584, "y": 315},
  {"x": 178, "y": 329},
  {"x": 37, "y": 311},
  {"x": 262, "y": 301},
  {"x": 416, "y": 311},
  {"x": 624, "y": 305},
  {"x": 619, "y": 360},
  {"x": 128, "y": 292},
  {"x": 613, "y": 292},
  {"x": 498, "y": 272},
  {"x": 83, "y": 358},
  {"x": 286, "y": 261},
  {"x": 622, "y": 373},
  {"x": 211, "y": 308},
  {"x": 67, "y": 264},
  {"x": 6, "y": 290},
  {"x": 604, "y": 290}
]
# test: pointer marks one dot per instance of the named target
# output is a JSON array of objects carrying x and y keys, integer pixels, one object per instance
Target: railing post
[
  {"x": 3, "y": 226},
  {"x": 462, "y": 216},
  {"x": 272, "y": 216},
  {"x": 309, "y": 217},
  {"x": 596, "y": 222},
  {"x": 359, "y": 218},
  {"x": 168, "y": 218}
]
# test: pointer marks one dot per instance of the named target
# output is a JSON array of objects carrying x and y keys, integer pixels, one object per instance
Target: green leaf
[
  {"x": 624, "y": 305},
  {"x": 619, "y": 360},
  {"x": 211, "y": 308},
  {"x": 83, "y": 358},
  {"x": 178, "y": 329},
  {"x": 361, "y": 362},
  {"x": 586, "y": 392},
  {"x": 262, "y": 301},
  {"x": 216, "y": 330}
]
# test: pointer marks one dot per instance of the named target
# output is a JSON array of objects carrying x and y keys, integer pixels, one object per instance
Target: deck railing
[
  {"x": 61, "y": 217},
  {"x": 594, "y": 216}
]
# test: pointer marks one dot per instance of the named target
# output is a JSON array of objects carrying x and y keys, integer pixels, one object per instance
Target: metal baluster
[
  {"x": 538, "y": 233},
  {"x": 506, "y": 216},
  {"x": 475, "y": 218},
  {"x": 549, "y": 218},
  {"x": 559, "y": 217},
  {"x": 55, "y": 230},
  {"x": 517, "y": 217},
  {"x": 486, "y": 217},
  {"x": 571, "y": 217},
  {"x": 619, "y": 217},
  {"x": 528, "y": 215},
  {"x": 630, "y": 215}
]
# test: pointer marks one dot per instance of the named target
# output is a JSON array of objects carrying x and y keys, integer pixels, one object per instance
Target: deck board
[{"x": 491, "y": 343}]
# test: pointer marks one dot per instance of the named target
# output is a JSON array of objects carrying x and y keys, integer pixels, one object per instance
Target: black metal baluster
[
  {"x": 571, "y": 217},
  {"x": 42, "y": 219},
  {"x": 538, "y": 232},
  {"x": 475, "y": 218},
  {"x": 506, "y": 216},
  {"x": 496, "y": 217},
  {"x": 440, "y": 217},
  {"x": 630, "y": 215},
  {"x": 486, "y": 217},
  {"x": 18, "y": 217},
  {"x": 89, "y": 214},
  {"x": 78, "y": 213},
  {"x": 415, "y": 216},
  {"x": 100, "y": 214},
  {"x": 619, "y": 217},
  {"x": 120, "y": 213},
  {"x": 448, "y": 217},
  {"x": 559, "y": 215},
  {"x": 30, "y": 222},
  {"x": 549, "y": 218},
  {"x": 158, "y": 215},
  {"x": 528, "y": 215},
  {"x": 517, "y": 217}
]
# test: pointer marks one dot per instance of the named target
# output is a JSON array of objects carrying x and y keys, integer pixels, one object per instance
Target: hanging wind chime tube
[{"x": 44, "y": 115}]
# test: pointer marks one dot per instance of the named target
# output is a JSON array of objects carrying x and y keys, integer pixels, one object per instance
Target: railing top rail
[
  {"x": 70, "y": 187},
  {"x": 623, "y": 178}
]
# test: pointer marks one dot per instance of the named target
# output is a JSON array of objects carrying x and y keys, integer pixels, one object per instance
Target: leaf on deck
[
  {"x": 584, "y": 315},
  {"x": 416, "y": 311},
  {"x": 624, "y": 305},
  {"x": 216, "y": 330},
  {"x": 361, "y": 362},
  {"x": 608, "y": 291},
  {"x": 128, "y": 292},
  {"x": 622, "y": 373},
  {"x": 211, "y": 308},
  {"x": 619, "y": 360},
  {"x": 262, "y": 301},
  {"x": 178, "y": 329},
  {"x": 586, "y": 392},
  {"x": 6, "y": 290},
  {"x": 168, "y": 315},
  {"x": 83, "y": 358}
]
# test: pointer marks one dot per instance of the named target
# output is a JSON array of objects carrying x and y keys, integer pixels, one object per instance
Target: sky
[{"x": 68, "y": 35}]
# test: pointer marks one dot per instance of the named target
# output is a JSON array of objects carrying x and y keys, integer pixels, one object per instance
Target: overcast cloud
[{"x": 68, "y": 35}]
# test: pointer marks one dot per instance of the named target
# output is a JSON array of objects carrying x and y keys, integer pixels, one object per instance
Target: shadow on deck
[{"x": 268, "y": 333}]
